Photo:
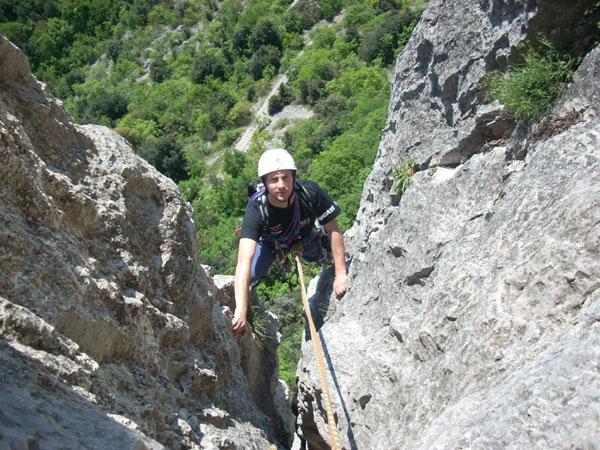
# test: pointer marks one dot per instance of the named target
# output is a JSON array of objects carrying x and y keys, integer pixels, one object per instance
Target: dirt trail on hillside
[
  {"x": 261, "y": 112},
  {"x": 262, "y": 106}
]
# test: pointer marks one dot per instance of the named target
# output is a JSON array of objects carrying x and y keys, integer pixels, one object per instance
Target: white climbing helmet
[{"x": 273, "y": 160}]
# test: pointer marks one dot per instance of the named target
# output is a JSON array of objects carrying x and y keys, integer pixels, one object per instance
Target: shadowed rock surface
[
  {"x": 112, "y": 334},
  {"x": 473, "y": 316}
]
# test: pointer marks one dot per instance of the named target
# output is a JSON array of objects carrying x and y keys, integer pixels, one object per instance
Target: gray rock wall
[
  {"x": 111, "y": 333},
  {"x": 472, "y": 319}
]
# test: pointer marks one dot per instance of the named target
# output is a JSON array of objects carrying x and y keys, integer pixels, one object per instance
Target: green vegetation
[
  {"x": 289, "y": 353},
  {"x": 529, "y": 89},
  {"x": 257, "y": 318},
  {"x": 402, "y": 175},
  {"x": 281, "y": 292},
  {"x": 178, "y": 79}
]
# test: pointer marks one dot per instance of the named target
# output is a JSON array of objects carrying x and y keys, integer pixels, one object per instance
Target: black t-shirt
[{"x": 324, "y": 209}]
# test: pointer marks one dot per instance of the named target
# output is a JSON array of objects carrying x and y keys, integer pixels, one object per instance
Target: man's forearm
[
  {"x": 339, "y": 252},
  {"x": 241, "y": 286}
]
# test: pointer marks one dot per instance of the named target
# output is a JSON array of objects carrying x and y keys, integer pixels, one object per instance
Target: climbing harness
[{"x": 333, "y": 434}]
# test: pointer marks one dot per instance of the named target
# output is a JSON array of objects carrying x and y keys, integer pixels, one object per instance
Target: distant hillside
[{"x": 178, "y": 80}]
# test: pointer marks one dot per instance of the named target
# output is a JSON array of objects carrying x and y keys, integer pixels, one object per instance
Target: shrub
[
  {"x": 241, "y": 114},
  {"x": 258, "y": 319},
  {"x": 530, "y": 88},
  {"x": 275, "y": 104},
  {"x": 136, "y": 130},
  {"x": 289, "y": 353},
  {"x": 234, "y": 162}
]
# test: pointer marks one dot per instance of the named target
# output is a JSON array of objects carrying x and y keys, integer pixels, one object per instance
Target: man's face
[{"x": 280, "y": 185}]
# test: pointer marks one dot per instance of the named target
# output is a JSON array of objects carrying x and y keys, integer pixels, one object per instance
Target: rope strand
[{"x": 333, "y": 434}]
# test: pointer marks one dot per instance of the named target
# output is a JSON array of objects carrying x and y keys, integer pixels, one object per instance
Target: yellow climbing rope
[{"x": 333, "y": 434}]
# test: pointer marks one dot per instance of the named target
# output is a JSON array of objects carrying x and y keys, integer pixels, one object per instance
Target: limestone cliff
[
  {"x": 479, "y": 325},
  {"x": 112, "y": 334}
]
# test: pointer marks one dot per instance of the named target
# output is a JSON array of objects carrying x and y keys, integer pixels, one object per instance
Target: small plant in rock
[
  {"x": 530, "y": 88},
  {"x": 431, "y": 171},
  {"x": 258, "y": 319},
  {"x": 402, "y": 175}
]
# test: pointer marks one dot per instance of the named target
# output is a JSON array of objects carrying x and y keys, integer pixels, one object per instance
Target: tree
[
  {"x": 240, "y": 40},
  {"x": 86, "y": 15},
  {"x": 266, "y": 33},
  {"x": 209, "y": 62},
  {"x": 384, "y": 40},
  {"x": 265, "y": 56},
  {"x": 308, "y": 12},
  {"x": 275, "y": 104},
  {"x": 218, "y": 106},
  {"x": 234, "y": 162},
  {"x": 311, "y": 90},
  {"x": 166, "y": 154},
  {"x": 102, "y": 103},
  {"x": 16, "y": 33},
  {"x": 50, "y": 39},
  {"x": 159, "y": 70},
  {"x": 160, "y": 15}
]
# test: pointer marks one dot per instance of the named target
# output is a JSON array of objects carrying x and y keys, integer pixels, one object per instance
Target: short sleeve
[
  {"x": 252, "y": 224},
  {"x": 325, "y": 208}
]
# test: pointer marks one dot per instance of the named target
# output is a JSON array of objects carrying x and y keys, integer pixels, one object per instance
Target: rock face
[
  {"x": 112, "y": 335},
  {"x": 479, "y": 326}
]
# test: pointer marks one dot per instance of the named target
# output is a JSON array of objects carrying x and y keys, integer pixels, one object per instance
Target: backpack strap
[
  {"x": 304, "y": 196},
  {"x": 260, "y": 197}
]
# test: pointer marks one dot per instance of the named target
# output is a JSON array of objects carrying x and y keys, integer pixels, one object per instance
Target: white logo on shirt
[{"x": 326, "y": 213}]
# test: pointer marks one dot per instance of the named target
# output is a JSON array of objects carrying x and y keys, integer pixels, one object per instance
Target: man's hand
[
  {"x": 340, "y": 285},
  {"x": 239, "y": 323}
]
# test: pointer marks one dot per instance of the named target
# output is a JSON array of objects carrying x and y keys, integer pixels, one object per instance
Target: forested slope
[{"x": 178, "y": 80}]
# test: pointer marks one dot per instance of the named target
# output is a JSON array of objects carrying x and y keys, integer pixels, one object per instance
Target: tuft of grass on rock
[
  {"x": 529, "y": 89},
  {"x": 257, "y": 317},
  {"x": 402, "y": 175}
]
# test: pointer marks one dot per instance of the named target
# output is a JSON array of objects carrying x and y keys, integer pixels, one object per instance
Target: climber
[{"x": 285, "y": 216}]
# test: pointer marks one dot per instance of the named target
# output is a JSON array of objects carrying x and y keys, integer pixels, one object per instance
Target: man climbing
[{"x": 281, "y": 218}]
